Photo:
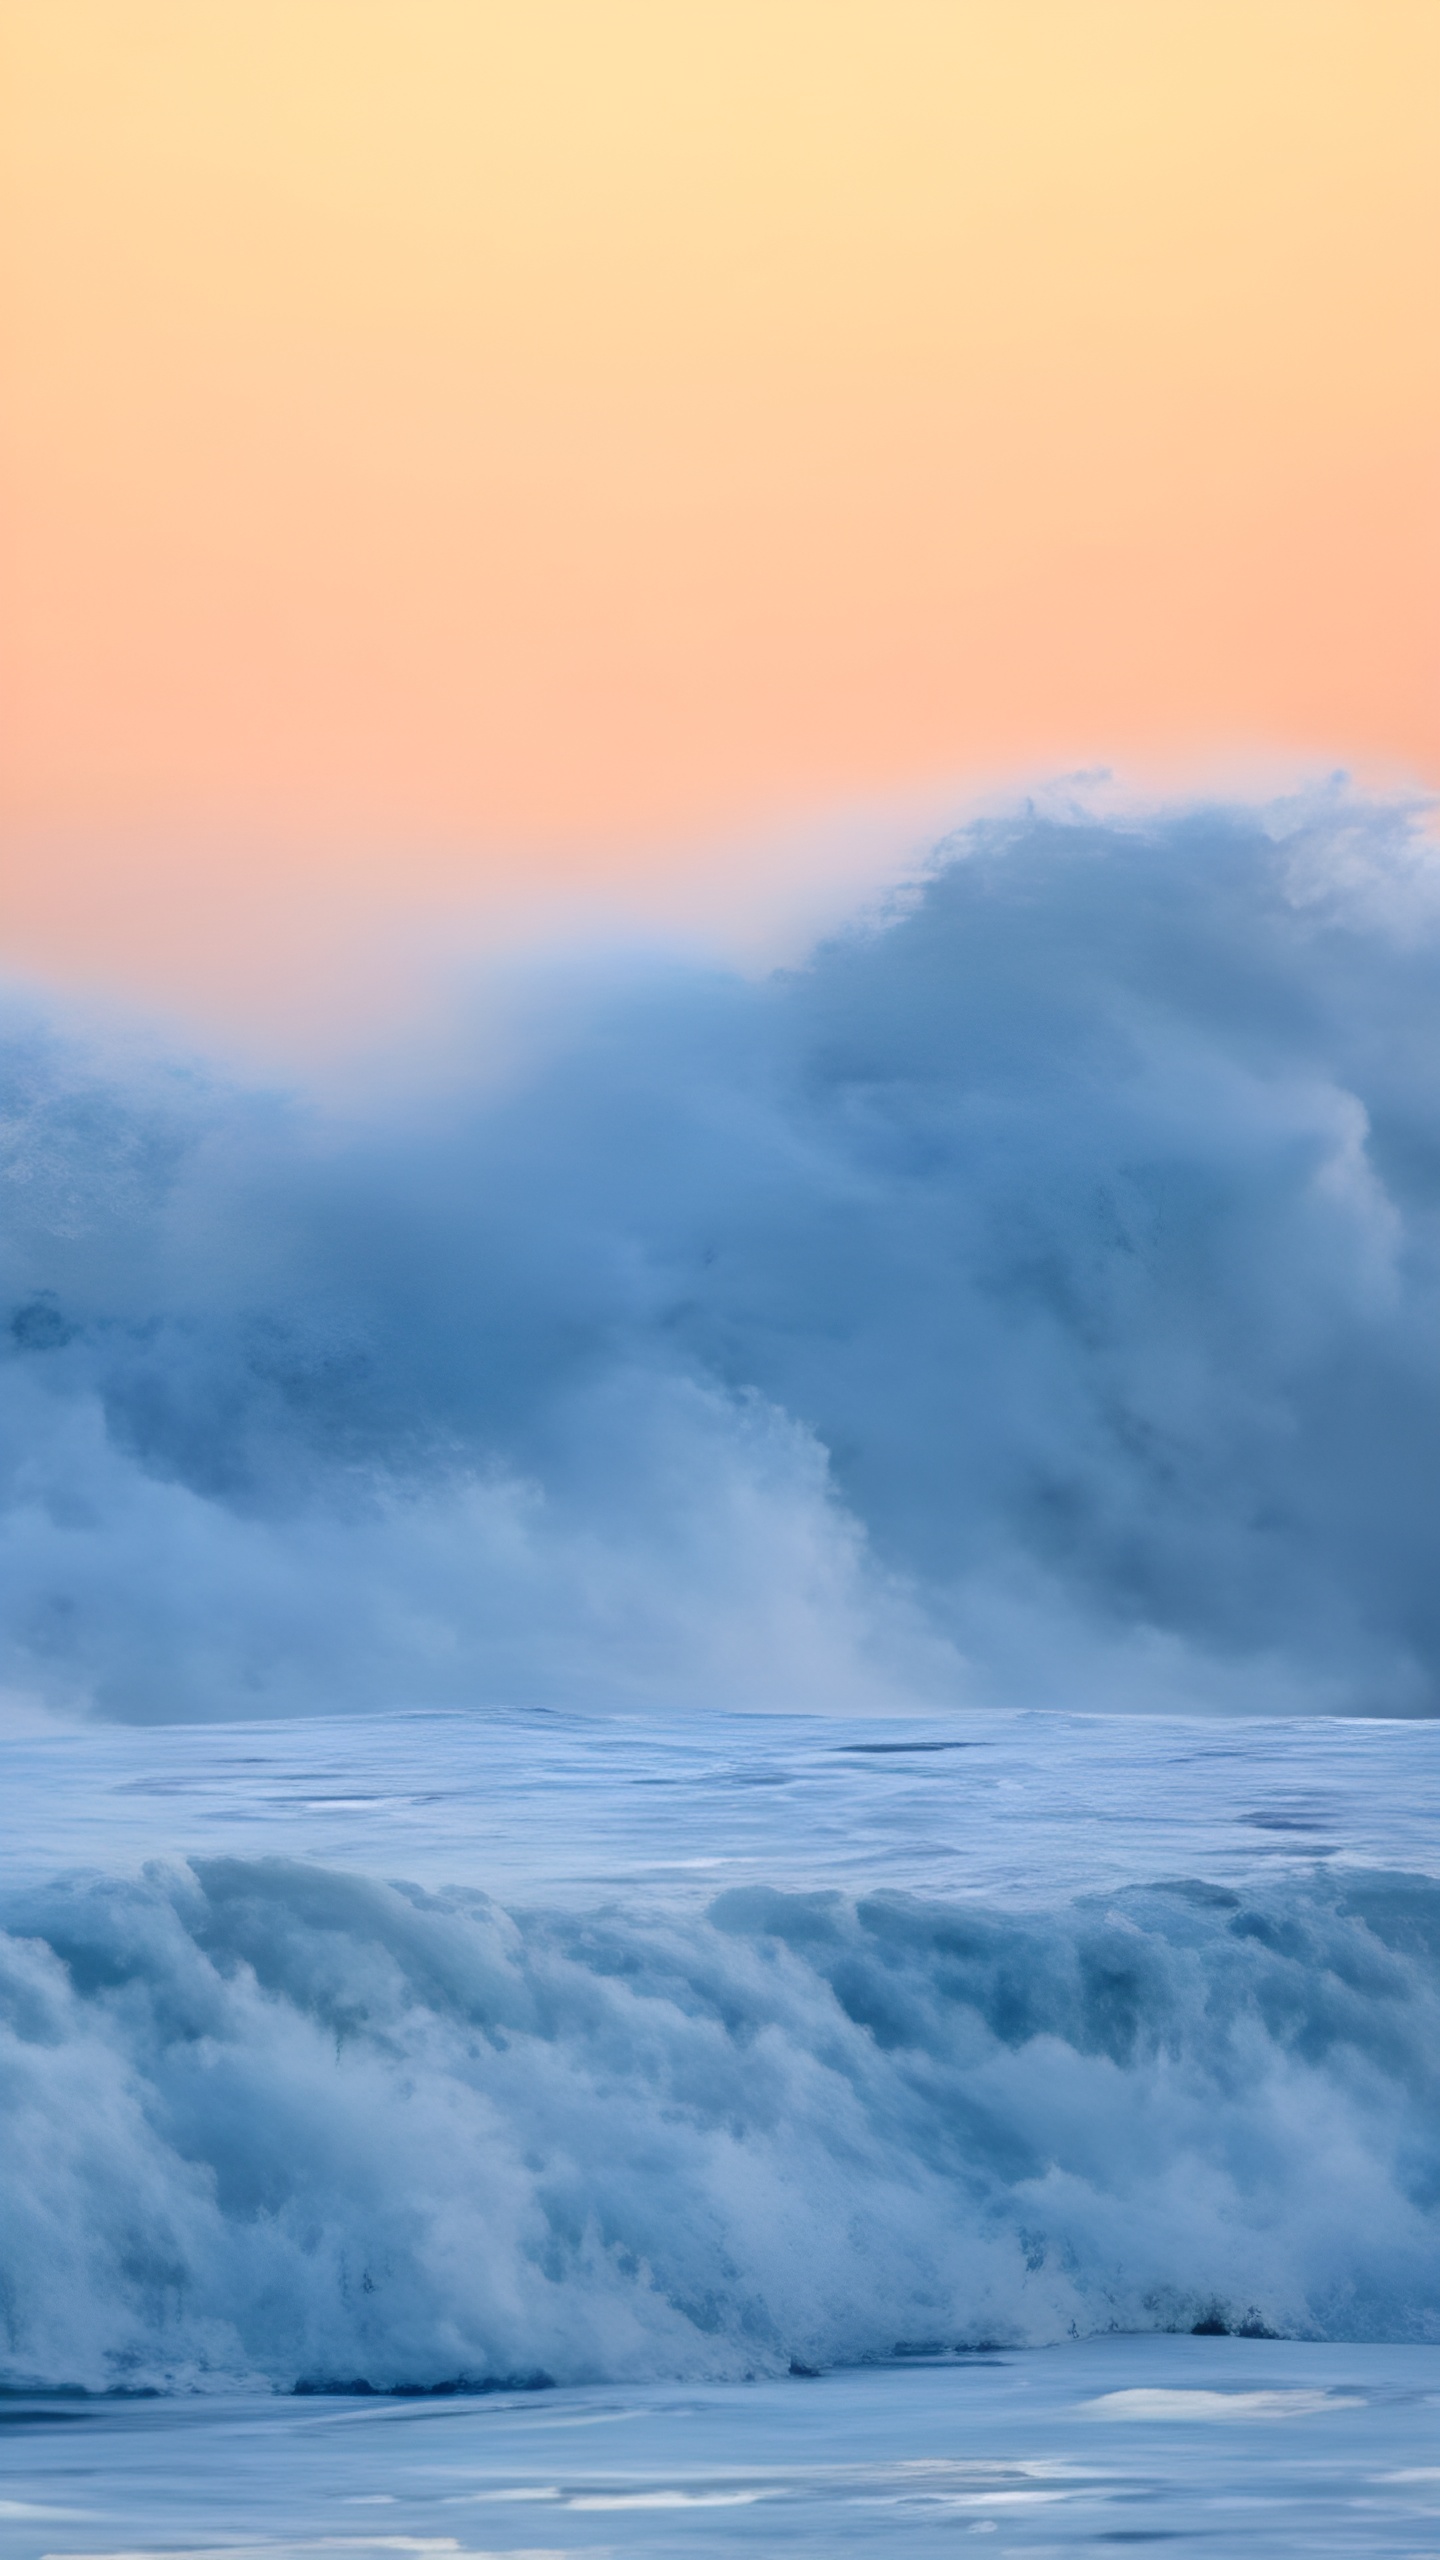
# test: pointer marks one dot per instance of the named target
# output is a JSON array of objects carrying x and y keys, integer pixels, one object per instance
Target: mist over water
[{"x": 1032, "y": 1299}]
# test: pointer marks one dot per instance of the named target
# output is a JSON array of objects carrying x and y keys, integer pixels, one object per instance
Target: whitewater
[{"x": 721, "y": 1792}]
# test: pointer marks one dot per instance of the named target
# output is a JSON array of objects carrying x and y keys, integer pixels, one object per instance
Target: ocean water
[
  {"x": 1221, "y": 2445},
  {"x": 720, "y": 1790},
  {"x": 793, "y": 2133}
]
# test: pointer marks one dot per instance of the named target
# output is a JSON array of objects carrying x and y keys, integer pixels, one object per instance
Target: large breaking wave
[
  {"x": 266, "y": 2120},
  {"x": 1034, "y": 1297}
]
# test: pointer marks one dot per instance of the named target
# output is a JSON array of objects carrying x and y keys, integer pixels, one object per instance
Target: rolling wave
[{"x": 270, "y": 2121}]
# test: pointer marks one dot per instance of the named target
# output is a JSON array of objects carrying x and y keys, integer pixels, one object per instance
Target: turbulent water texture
[
  {"x": 1033, "y": 1298},
  {"x": 271, "y": 2121},
  {"x": 1030, "y": 1305},
  {"x": 1021, "y": 1810}
]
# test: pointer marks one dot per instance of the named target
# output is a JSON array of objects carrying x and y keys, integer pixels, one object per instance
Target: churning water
[{"x": 504, "y": 2092}]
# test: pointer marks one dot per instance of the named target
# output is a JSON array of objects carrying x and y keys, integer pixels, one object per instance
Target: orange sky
[{"x": 453, "y": 449}]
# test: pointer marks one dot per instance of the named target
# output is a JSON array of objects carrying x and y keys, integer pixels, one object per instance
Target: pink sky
[{"x": 461, "y": 463}]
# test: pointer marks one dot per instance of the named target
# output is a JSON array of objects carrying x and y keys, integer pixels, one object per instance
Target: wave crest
[{"x": 268, "y": 2120}]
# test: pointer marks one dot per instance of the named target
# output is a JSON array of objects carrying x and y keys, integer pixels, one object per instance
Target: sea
[
  {"x": 455, "y": 2134},
  {"x": 722, "y": 1695}
]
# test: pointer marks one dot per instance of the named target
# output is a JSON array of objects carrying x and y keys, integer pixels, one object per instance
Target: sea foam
[{"x": 270, "y": 2121}]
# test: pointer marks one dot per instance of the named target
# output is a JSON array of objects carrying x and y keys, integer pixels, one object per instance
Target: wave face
[
  {"x": 272, "y": 2121},
  {"x": 1034, "y": 1298}
]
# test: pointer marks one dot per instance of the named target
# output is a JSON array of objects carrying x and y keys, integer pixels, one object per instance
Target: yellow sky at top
[{"x": 449, "y": 445}]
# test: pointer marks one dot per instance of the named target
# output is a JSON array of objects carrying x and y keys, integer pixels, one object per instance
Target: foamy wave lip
[{"x": 271, "y": 2122}]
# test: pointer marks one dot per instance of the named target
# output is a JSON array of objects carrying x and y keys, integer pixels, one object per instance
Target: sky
[{"x": 465, "y": 464}]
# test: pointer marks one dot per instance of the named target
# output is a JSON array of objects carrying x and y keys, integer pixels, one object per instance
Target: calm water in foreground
[{"x": 1232, "y": 2445}]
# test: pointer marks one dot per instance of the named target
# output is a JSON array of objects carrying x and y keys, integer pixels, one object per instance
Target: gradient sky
[{"x": 456, "y": 453}]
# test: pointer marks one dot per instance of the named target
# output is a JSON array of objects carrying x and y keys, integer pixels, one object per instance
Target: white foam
[
  {"x": 1220, "y": 2407},
  {"x": 271, "y": 2120}
]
